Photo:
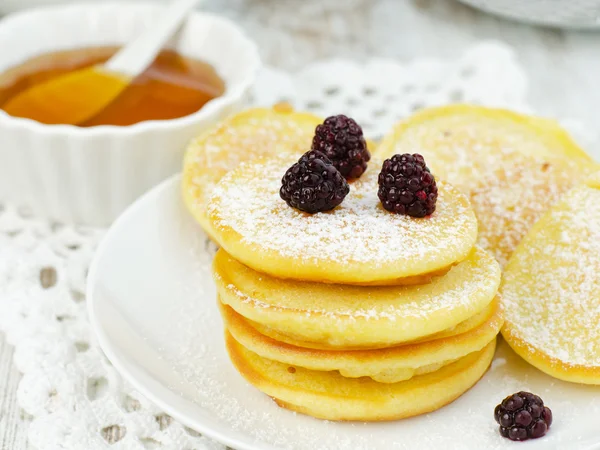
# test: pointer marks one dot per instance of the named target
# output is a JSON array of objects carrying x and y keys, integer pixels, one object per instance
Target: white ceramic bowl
[
  {"x": 555, "y": 13},
  {"x": 89, "y": 175}
]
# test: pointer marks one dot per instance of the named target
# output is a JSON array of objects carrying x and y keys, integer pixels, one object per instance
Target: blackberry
[
  {"x": 406, "y": 186},
  {"x": 313, "y": 184},
  {"x": 523, "y": 416},
  {"x": 341, "y": 139}
]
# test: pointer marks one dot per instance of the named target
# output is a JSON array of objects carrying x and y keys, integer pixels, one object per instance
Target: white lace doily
[{"x": 74, "y": 396}]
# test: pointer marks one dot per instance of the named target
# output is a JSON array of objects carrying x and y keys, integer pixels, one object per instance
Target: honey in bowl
[{"x": 173, "y": 86}]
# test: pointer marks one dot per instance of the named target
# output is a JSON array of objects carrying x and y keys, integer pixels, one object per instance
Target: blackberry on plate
[
  {"x": 313, "y": 184},
  {"x": 406, "y": 186},
  {"x": 341, "y": 139},
  {"x": 523, "y": 416}
]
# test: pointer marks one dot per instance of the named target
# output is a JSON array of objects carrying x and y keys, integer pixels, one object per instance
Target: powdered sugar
[
  {"x": 514, "y": 198},
  {"x": 251, "y": 134},
  {"x": 551, "y": 290},
  {"x": 359, "y": 230},
  {"x": 511, "y": 173}
]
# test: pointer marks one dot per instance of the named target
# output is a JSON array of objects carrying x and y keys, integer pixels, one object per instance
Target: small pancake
[
  {"x": 467, "y": 325},
  {"x": 345, "y": 316},
  {"x": 388, "y": 365},
  {"x": 329, "y": 395},
  {"x": 551, "y": 289},
  {"x": 242, "y": 137},
  {"x": 512, "y": 166},
  {"x": 356, "y": 243}
]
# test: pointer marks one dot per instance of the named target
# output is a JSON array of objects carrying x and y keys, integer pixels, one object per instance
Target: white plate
[{"x": 152, "y": 304}]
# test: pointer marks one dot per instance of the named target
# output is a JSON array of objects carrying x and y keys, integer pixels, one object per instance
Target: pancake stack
[
  {"x": 356, "y": 313},
  {"x": 361, "y": 314}
]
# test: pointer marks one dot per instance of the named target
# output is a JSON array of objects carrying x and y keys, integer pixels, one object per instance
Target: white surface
[
  {"x": 89, "y": 175},
  {"x": 152, "y": 303}
]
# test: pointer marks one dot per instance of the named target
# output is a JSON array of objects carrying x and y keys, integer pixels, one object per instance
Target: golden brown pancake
[
  {"x": 388, "y": 365},
  {"x": 351, "y": 317},
  {"x": 551, "y": 289},
  {"x": 356, "y": 243},
  {"x": 329, "y": 395}
]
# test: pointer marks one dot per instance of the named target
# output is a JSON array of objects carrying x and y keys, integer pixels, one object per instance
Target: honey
[{"x": 173, "y": 86}]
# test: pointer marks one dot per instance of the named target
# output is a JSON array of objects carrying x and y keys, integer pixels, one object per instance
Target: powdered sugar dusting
[
  {"x": 247, "y": 200},
  {"x": 551, "y": 290},
  {"x": 514, "y": 198},
  {"x": 511, "y": 174},
  {"x": 251, "y": 134}
]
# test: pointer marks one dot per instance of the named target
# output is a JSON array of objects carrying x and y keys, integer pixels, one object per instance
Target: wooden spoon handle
[{"x": 135, "y": 57}]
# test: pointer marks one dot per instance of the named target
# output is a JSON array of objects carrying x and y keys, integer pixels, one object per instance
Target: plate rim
[{"x": 112, "y": 354}]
